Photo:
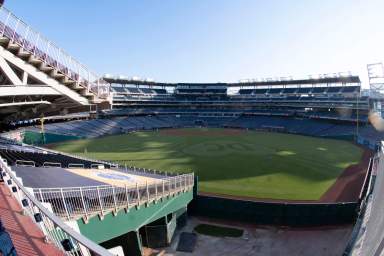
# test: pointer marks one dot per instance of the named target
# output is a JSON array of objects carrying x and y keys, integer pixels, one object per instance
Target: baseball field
[{"x": 232, "y": 162}]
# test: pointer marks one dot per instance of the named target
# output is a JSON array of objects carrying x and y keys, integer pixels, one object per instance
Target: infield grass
[{"x": 250, "y": 163}]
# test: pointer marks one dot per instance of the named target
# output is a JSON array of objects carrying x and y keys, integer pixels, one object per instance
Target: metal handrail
[
  {"x": 36, "y": 44},
  {"x": 20, "y": 162},
  {"x": 84, "y": 202},
  {"x": 76, "y": 202},
  {"x": 72, "y": 165},
  {"x": 51, "y": 225},
  {"x": 51, "y": 164},
  {"x": 75, "y": 156}
]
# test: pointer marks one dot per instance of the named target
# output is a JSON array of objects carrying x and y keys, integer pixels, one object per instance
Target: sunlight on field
[
  {"x": 285, "y": 153},
  {"x": 234, "y": 162}
]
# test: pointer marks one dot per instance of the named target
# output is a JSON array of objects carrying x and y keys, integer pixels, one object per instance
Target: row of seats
[
  {"x": 100, "y": 127},
  {"x": 295, "y": 125},
  {"x": 310, "y": 123},
  {"x": 241, "y": 98},
  {"x": 201, "y": 91},
  {"x": 304, "y": 90},
  {"x": 131, "y": 90},
  {"x": 39, "y": 159},
  {"x": 41, "y": 54},
  {"x": 7, "y": 141}
]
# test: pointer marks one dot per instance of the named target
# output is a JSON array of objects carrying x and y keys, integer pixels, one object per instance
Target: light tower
[
  {"x": 376, "y": 84},
  {"x": 376, "y": 77}
]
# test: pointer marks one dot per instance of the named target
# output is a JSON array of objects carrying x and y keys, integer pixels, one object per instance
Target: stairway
[{"x": 30, "y": 46}]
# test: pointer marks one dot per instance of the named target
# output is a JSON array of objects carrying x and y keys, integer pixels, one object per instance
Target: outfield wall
[
  {"x": 273, "y": 213},
  {"x": 37, "y": 138}
]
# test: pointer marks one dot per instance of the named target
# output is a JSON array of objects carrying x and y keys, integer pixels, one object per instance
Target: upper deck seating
[
  {"x": 133, "y": 90},
  {"x": 304, "y": 90},
  {"x": 45, "y": 56},
  {"x": 351, "y": 89},
  {"x": 333, "y": 89},
  {"x": 274, "y": 91},
  {"x": 289, "y": 90},
  {"x": 318, "y": 90}
]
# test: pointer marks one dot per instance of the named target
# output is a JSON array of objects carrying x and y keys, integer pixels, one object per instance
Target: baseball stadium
[{"x": 113, "y": 165}]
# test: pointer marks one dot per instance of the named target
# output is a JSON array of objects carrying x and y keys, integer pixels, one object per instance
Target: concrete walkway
[{"x": 269, "y": 241}]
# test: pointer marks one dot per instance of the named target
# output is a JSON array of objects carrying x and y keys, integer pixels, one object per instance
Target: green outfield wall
[
  {"x": 38, "y": 138},
  {"x": 273, "y": 213}
]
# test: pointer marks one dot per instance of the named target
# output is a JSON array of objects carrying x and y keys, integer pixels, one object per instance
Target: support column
[{"x": 25, "y": 78}]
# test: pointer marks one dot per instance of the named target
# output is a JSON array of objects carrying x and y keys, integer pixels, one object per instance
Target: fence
[
  {"x": 272, "y": 213},
  {"x": 368, "y": 206},
  {"x": 32, "y": 42},
  {"x": 55, "y": 230},
  {"x": 105, "y": 163},
  {"x": 77, "y": 202}
]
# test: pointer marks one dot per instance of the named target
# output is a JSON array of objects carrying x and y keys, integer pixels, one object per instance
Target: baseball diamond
[{"x": 234, "y": 162}]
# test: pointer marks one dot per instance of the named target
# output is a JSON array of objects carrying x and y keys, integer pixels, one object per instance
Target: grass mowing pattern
[
  {"x": 218, "y": 231},
  {"x": 255, "y": 164}
]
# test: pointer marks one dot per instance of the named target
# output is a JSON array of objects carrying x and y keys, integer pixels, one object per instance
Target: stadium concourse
[{"x": 82, "y": 206}]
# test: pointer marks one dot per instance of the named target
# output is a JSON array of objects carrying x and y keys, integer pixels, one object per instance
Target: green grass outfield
[{"x": 256, "y": 164}]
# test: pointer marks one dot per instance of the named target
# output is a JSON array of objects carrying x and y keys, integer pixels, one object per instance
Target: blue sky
[{"x": 212, "y": 40}]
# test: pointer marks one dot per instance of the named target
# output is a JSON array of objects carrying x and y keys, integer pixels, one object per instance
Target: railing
[
  {"x": 55, "y": 230},
  {"x": 25, "y": 163},
  {"x": 360, "y": 229},
  {"x": 51, "y": 164},
  {"x": 111, "y": 164},
  {"x": 85, "y": 202},
  {"x": 171, "y": 228},
  {"x": 141, "y": 171},
  {"x": 41, "y": 48}
]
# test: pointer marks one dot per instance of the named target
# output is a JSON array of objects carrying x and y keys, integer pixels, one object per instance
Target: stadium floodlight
[
  {"x": 345, "y": 74},
  {"x": 314, "y": 76},
  {"x": 376, "y": 76}
]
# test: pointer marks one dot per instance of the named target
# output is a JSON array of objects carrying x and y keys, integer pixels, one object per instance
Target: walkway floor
[{"x": 26, "y": 236}]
